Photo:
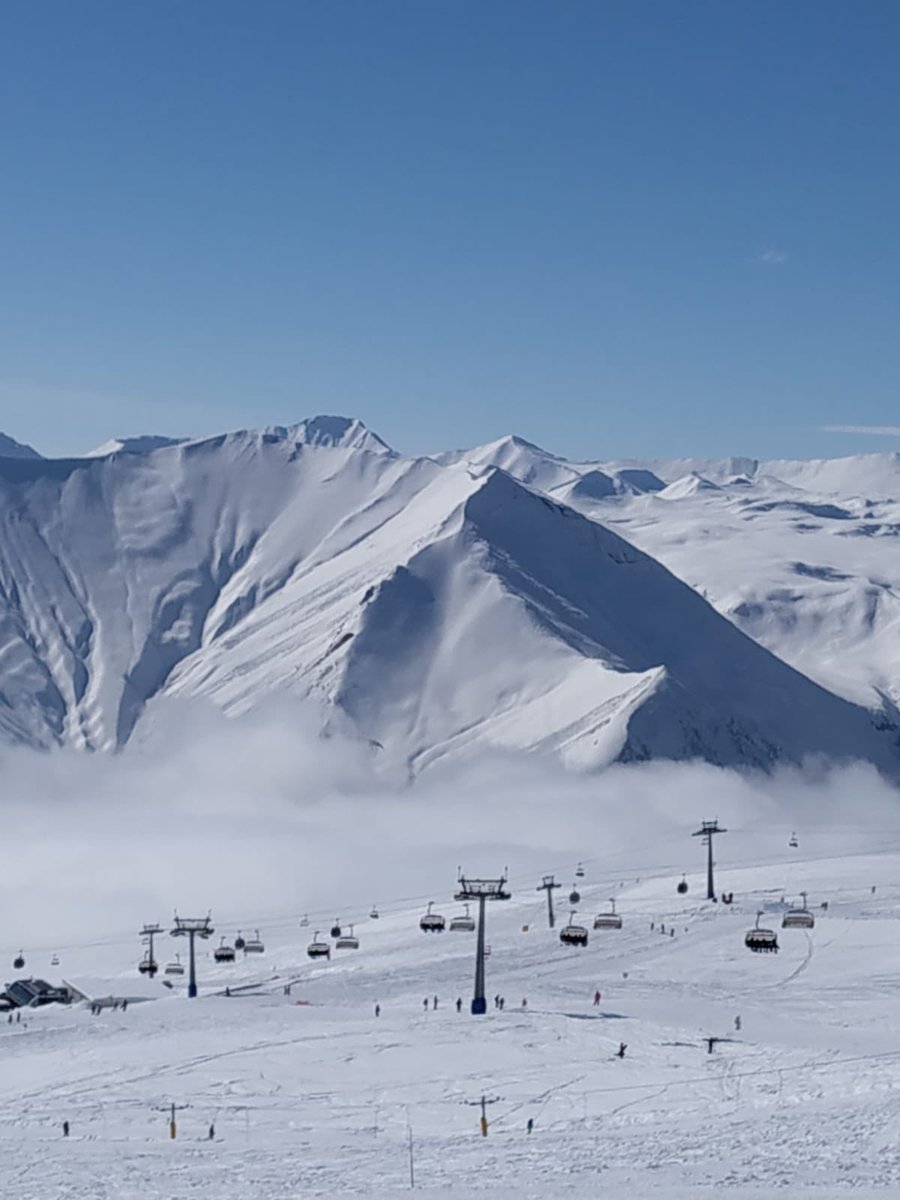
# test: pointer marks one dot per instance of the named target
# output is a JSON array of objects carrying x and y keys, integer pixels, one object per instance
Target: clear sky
[{"x": 616, "y": 228}]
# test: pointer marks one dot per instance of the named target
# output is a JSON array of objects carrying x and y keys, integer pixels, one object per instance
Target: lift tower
[
  {"x": 549, "y": 883},
  {"x": 191, "y": 928},
  {"x": 481, "y": 890},
  {"x": 708, "y": 830}
]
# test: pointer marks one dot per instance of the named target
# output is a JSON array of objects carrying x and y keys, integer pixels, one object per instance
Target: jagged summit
[
  {"x": 142, "y": 444},
  {"x": 10, "y": 448}
]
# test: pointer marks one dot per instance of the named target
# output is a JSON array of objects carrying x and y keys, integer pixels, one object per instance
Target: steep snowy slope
[
  {"x": 800, "y": 555},
  {"x": 440, "y": 609}
]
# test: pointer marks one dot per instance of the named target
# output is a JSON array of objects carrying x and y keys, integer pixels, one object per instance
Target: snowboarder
[
  {"x": 620, "y": 1053},
  {"x": 377, "y": 1010},
  {"x": 65, "y": 1128},
  {"x": 459, "y": 1003},
  {"x": 597, "y": 998}
]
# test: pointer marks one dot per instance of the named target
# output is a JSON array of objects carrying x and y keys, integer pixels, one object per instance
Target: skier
[
  {"x": 425, "y": 1004},
  {"x": 212, "y": 1133},
  {"x": 434, "y": 1004},
  {"x": 620, "y": 1053},
  {"x": 459, "y": 1003},
  {"x": 65, "y": 1128},
  {"x": 124, "y": 1006},
  {"x": 597, "y": 998},
  {"x": 502, "y": 1002},
  {"x": 737, "y": 1024},
  {"x": 530, "y": 1126},
  {"x": 377, "y": 1010},
  {"x": 524, "y": 1002}
]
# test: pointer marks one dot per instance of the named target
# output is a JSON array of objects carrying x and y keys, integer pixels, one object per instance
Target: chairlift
[
  {"x": 175, "y": 967},
  {"x": 317, "y": 948},
  {"x": 487, "y": 952},
  {"x": 463, "y": 923},
  {"x": 19, "y": 960},
  {"x": 574, "y": 895},
  {"x": 347, "y": 941},
  {"x": 793, "y": 843},
  {"x": 336, "y": 928},
  {"x": 572, "y": 934},
  {"x": 147, "y": 965},
  {"x": 683, "y": 886},
  {"x": 223, "y": 953},
  {"x": 579, "y": 871},
  {"x": 761, "y": 941},
  {"x": 373, "y": 915},
  {"x": 239, "y": 941},
  {"x": 608, "y": 920},
  {"x": 432, "y": 922},
  {"x": 54, "y": 961},
  {"x": 304, "y": 921},
  {"x": 254, "y": 945},
  {"x": 798, "y": 916}
]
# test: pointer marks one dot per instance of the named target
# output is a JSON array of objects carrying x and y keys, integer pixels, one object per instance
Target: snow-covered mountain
[{"x": 439, "y": 607}]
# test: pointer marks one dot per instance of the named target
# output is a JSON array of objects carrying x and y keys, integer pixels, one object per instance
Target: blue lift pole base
[{"x": 479, "y": 1006}]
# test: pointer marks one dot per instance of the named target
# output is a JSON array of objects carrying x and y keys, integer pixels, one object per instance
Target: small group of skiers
[{"x": 97, "y": 1009}]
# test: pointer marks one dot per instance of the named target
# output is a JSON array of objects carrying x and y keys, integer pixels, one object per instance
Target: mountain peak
[
  {"x": 346, "y": 432},
  {"x": 10, "y": 448},
  {"x": 144, "y": 443}
]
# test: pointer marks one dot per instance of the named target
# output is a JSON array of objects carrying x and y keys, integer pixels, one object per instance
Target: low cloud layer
[{"x": 260, "y": 817}]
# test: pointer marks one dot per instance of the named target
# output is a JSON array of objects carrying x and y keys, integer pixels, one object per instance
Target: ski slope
[{"x": 310, "y": 1094}]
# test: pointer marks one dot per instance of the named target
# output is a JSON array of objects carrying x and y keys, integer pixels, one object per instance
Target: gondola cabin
[
  {"x": 239, "y": 942},
  {"x": 682, "y": 887},
  {"x": 224, "y": 953},
  {"x": 574, "y": 895}
]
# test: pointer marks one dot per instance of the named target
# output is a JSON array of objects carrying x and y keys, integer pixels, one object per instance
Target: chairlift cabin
[
  {"x": 432, "y": 922},
  {"x": 223, "y": 953},
  {"x": 347, "y": 941},
  {"x": 254, "y": 945},
  {"x": 373, "y": 915},
  {"x": 579, "y": 871},
  {"x": 761, "y": 941},
  {"x": 317, "y": 948},
  {"x": 336, "y": 928},
  {"x": 572, "y": 934},
  {"x": 574, "y": 895},
  {"x": 683, "y": 886},
  {"x": 19, "y": 960},
  {"x": 608, "y": 920},
  {"x": 793, "y": 843},
  {"x": 798, "y": 917},
  {"x": 239, "y": 941},
  {"x": 462, "y": 923},
  {"x": 147, "y": 965},
  {"x": 175, "y": 967}
]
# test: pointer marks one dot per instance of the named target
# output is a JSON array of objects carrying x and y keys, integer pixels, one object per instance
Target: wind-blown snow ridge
[{"x": 441, "y": 607}]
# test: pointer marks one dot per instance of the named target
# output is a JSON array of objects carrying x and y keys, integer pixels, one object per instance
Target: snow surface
[
  {"x": 310, "y": 1094},
  {"x": 10, "y": 448},
  {"x": 443, "y": 608}
]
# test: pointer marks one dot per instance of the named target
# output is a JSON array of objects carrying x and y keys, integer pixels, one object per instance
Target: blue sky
[{"x": 633, "y": 228}]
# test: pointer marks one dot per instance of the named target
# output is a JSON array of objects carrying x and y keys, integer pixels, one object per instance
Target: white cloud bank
[{"x": 866, "y": 430}]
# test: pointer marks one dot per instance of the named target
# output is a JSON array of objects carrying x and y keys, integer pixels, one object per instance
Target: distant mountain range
[{"x": 498, "y": 598}]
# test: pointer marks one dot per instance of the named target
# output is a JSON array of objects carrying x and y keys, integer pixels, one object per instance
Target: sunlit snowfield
[{"x": 322, "y": 1098}]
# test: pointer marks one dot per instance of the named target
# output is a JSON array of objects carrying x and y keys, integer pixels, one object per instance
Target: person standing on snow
[{"x": 597, "y": 998}]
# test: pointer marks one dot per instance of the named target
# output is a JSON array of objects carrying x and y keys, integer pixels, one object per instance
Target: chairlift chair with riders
[
  {"x": 572, "y": 934},
  {"x": 683, "y": 886},
  {"x": 147, "y": 965},
  {"x": 254, "y": 945},
  {"x": 798, "y": 916},
  {"x": 463, "y": 923},
  {"x": 317, "y": 948},
  {"x": 347, "y": 941},
  {"x": 793, "y": 843},
  {"x": 608, "y": 920},
  {"x": 223, "y": 953},
  {"x": 432, "y": 922},
  {"x": 175, "y": 967},
  {"x": 373, "y": 915},
  {"x": 54, "y": 961},
  {"x": 579, "y": 871},
  {"x": 761, "y": 941}
]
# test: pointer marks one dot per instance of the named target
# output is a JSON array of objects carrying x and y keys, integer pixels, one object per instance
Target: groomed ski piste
[{"x": 311, "y": 1094}]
